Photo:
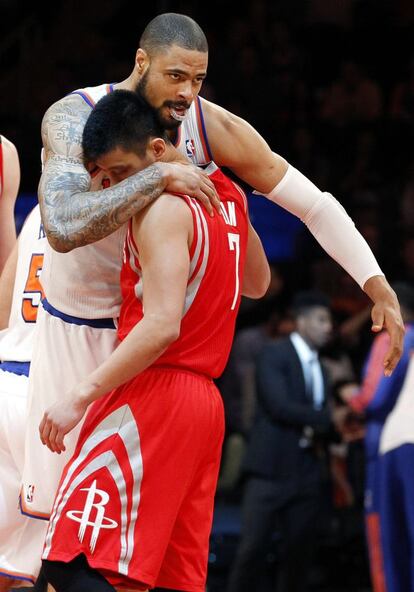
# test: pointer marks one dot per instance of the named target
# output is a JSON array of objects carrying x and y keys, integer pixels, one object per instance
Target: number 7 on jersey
[{"x": 234, "y": 245}]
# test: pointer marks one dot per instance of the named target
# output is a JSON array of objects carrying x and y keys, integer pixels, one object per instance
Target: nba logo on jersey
[
  {"x": 30, "y": 493},
  {"x": 190, "y": 148}
]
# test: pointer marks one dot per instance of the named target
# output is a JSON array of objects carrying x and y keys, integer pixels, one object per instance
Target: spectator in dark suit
[{"x": 285, "y": 458}]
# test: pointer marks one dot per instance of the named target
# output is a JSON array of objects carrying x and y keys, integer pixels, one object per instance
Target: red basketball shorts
[{"x": 137, "y": 496}]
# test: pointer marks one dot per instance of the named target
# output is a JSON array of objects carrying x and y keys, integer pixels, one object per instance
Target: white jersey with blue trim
[
  {"x": 16, "y": 342},
  {"x": 191, "y": 138},
  {"x": 85, "y": 282}
]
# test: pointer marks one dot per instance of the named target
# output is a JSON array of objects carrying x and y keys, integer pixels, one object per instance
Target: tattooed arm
[{"x": 72, "y": 214}]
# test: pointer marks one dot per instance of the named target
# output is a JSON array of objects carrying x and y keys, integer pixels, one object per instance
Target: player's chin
[{"x": 168, "y": 121}]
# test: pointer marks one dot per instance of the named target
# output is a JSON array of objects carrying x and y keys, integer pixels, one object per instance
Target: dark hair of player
[
  {"x": 121, "y": 119},
  {"x": 169, "y": 29}
]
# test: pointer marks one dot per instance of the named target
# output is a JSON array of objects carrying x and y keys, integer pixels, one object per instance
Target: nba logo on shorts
[
  {"x": 29, "y": 493},
  {"x": 190, "y": 148}
]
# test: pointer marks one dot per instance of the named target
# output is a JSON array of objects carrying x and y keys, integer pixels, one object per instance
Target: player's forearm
[
  {"x": 256, "y": 278},
  {"x": 329, "y": 223},
  {"x": 140, "y": 348},
  {"x": 75, "y": 217}
]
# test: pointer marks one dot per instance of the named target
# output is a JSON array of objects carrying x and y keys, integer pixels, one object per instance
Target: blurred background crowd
[{"x": 330, "y": 85}]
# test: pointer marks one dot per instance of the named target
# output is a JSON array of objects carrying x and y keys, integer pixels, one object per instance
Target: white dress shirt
[{"x": 312, "y": 371}]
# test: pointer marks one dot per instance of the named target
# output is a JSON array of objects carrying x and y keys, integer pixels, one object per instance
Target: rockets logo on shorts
[
  {"x": 190, "y": 148},
  {"x": 84, "y": 516}
]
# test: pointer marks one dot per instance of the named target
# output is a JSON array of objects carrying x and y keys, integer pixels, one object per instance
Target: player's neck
[
  {"x": 172, "y": 154},
  {"x": 127, "y": 84}
]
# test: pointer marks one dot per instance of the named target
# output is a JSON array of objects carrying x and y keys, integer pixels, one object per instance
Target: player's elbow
[
  {"x": 58, "y": 238},
  {"x": 257, "y": 284},
  {"x": 58, "y": 242},
  {"x": 165, "y": 331},
  {"x": 170, "y": 334}
]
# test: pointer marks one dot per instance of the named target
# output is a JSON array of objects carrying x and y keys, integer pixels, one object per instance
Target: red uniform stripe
[
  {"x": 375, "y": 553},
  {"x": 373, "y": 374}
]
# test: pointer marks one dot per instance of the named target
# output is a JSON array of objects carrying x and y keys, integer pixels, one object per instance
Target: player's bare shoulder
[
  {"x": 62, "y": 126},
  {"x": 226, "y": 133},
  {"x": 166, "y": 214},
  {"x": 217, "y": 118},
  {"x": 8, "y": 146}
]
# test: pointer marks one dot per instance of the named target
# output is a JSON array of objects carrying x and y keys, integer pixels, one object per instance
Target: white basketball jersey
[
  {"x": 191, "y": 137},
  {"x": 85, "y": 282},
  {"x": 16, "y": 341}
]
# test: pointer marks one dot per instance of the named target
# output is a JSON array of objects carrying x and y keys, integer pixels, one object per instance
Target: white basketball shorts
[
  {"x": 66, "y": 350},
  {"x": 21, "y": 539}
]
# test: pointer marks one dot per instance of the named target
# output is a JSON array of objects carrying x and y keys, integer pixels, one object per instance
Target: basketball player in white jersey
[
  {"x": 169, "y": 69},
  {"x": 82, "y": 285},
  {"x": 20, "y": 292},
  {"x": 9, "y": 186}
]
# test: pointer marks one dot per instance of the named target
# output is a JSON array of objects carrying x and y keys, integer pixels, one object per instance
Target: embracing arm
[
  {"x": 8, "y": 194},
  {"x": 165, "y": 267},
  {"x": 74, "y": 216},
  {"x": 235, "y": 144}
]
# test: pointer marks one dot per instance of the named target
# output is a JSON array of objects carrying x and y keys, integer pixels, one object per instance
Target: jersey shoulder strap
[{"x": 92, "y": 94}]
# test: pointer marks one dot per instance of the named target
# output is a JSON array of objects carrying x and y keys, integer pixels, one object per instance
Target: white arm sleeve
[{"x": 329, "y": 223}]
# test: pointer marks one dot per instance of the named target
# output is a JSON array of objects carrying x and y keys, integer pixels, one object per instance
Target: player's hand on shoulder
[{"x": 182, "y": 177}]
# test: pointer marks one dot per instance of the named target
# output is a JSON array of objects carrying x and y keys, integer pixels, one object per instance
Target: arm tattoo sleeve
[{"x": 72, "y": 215}]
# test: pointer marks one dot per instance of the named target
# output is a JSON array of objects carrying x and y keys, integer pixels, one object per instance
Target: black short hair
[
  {"x": 304, "y": 301},
  {"x": 121, "y": 119},
  {"x": 172, "y": 28}
]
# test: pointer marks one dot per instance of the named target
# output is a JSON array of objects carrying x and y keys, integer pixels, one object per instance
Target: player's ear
[
  {"x": 158, "y": 147},
  {"x": 141, "y": 61}
]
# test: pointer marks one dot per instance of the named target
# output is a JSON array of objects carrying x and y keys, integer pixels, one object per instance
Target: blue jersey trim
[
  {"x": 35, "y": 516},
  {"x": 95, "y": 323},
  {"x": 17, "y": 577},
  {"x": 84, "y": 97},
  {"x": 19, "y": 368}
]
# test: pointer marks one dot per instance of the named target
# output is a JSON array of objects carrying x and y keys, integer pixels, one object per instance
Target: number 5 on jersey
[{"x": 33, "y": 292}]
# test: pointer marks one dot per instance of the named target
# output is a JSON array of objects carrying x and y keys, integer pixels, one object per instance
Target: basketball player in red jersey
[
  {"x": 9, "y": 186},
  {"x": 136, "y": 499},
  {"x": 170, "y": 66}
]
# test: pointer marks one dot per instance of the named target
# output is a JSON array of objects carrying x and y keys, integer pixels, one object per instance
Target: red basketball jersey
[{"x": 213, "y": 294}]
